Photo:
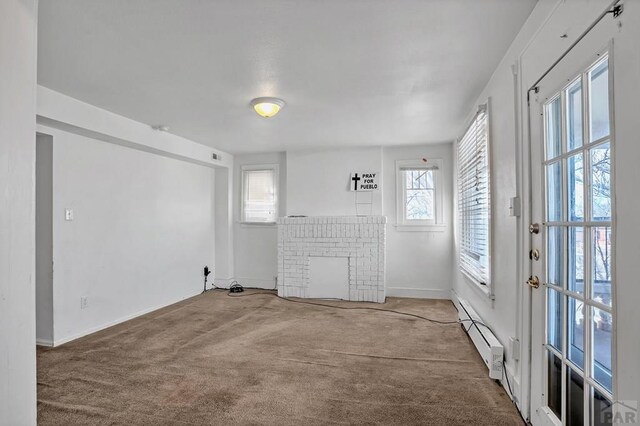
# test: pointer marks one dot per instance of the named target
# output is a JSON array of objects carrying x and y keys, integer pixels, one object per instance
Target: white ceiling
[{"x": 353, "y": 72}]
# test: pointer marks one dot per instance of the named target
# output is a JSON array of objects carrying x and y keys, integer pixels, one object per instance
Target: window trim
[
  {"x": 276, "y": 183},
  {"x": 484, "y": 286},
  {"x": 434, "y": 225}
]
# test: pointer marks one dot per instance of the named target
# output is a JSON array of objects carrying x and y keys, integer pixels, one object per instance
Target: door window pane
[
  {"x": 555, "y": 258},
  {"x": 602, "y": 414},
  {"x": 554, "y": 192},
  {"x": 576, "y": 260},
  {"x": 554, "y": 319},
  {"x": 601, "y": 182},
  {"x": 575, "y": 330},
  {"x": 602, "y": 328},
  {"x": 578, "y": 248},
  {"x": 575, "y": 399},
  {"x": 553, "y": 118},
  {"x": 602, "y": 264},
  {"x": 574, "y": 115},
  {"x": 599, "y": 101},
  {"x": 554, "y": 384},
  {"x": 575, "y": 180}
]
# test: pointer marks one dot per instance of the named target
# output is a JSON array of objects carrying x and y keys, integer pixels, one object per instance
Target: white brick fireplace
[{"x": 361, "y": 240}]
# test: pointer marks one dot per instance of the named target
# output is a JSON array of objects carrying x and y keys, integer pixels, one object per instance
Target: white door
[{"x": 572, "y": 143}]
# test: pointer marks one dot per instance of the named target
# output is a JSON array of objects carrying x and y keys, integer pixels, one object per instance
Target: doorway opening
[{"x": 44, "y": 240}]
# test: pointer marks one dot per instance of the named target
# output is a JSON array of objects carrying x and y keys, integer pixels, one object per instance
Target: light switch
[
  {"x": 514, "y": 206},
  {"x": 68, "y": 214},
  {"x": 514, "y": 348}
]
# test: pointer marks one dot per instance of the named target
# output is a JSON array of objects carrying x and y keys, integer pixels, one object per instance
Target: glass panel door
[{"x": 578, "y": 273}]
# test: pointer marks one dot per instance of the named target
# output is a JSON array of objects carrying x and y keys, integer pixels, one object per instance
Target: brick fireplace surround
[{"x": 361, "y": 239}]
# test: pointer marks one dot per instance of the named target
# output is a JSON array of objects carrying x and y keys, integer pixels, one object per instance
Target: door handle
[
  {"x": 534, "y": 228},
  {"x": 533, "y": 281}
]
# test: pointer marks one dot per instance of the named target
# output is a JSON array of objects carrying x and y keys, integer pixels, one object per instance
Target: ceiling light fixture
[{"x": 267, "y": 106}]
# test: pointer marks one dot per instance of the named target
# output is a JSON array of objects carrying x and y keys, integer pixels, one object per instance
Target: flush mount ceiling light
[{"x": 266, "y": 106}]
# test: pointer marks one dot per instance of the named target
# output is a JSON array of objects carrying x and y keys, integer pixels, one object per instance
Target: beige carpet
[{"x": 218, "y": 360}]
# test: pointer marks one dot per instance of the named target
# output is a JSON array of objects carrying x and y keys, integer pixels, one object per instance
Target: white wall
[
  {"x": 255, "y": 246},
  {"x": 535, "y": 49},
  {"x": 318, "y": 180},
  {"x": 223, "y": 209},
  {"x": 145, "y": 203},
  {"x": 18, "y": 28},
  {"x": 317, "y": 184},
  {"x": 143, "y": 229},
  {"x": 418, "y": 263},
  {"x": 44, "y": 239}
]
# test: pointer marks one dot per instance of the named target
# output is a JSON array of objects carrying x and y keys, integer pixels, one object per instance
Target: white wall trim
[
  {"x": 69, "y": 114},
  {"x": 275, "y": 168},
  {"x": 222, "y": 282},
  {"x": 515, "y": 385},
  {"x": 434, "y": 165},
  {"x": 418, "y": 293},
  {"x": 126, "y": 318},
  {"x": 265, "y": 283},
  {"x": 44, "y": 342},
  {"x": 508, "y": 370}
]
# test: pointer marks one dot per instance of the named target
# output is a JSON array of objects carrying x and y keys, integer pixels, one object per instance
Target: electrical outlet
[
  {"x": 68, "y": 214},
  {"x": 84, "y": 302}
]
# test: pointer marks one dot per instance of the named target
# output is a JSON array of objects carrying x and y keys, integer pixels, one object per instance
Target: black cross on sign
[{"x": 355, "y": 180}]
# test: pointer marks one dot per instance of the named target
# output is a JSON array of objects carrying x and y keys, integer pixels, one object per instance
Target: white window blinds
[
  {"x": 474, "y": 206},
  {"x": 259, "y": 196}
]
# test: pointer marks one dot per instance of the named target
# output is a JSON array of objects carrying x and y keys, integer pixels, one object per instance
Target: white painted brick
[{"x": 361, "y": 239}]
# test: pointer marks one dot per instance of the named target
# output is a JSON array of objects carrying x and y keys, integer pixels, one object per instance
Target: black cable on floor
[
  {"x": 235, "y": 283},
  {"x": 362, "y": 308},
  {"x": 369, "y": 308}
]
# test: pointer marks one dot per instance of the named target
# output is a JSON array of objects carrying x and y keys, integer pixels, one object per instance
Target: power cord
[
  {"x": 369, "y": 308},
  {"x": 505, "y": 374},
  {"x": 361, "y": 308},
  {"x": 236, "y": 287}
]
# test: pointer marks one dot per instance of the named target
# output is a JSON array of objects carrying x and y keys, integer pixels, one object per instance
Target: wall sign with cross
[{"x": 364, "y": 182}]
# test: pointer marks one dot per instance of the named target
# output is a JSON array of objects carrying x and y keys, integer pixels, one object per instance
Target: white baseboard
[
  {"x": 44, "y": 342},
  {"x": 222, "y": 282},
  {"x": 514, "y": 382},
  {"x": 92, "y": 330},
  {"x": 265, "y": 283},
  {"x": 419, "y": 293}
]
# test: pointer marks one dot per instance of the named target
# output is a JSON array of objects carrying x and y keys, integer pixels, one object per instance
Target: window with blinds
[
  {"x": 259, "y": 194},
  {"x": 474, "y": 205}
]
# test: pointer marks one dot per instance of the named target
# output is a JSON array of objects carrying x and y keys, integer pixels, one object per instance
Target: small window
[
  {"x": 474, "y": 203},
  {"x": 259, "y": 194},
  {"x": 419, "y": 193}
]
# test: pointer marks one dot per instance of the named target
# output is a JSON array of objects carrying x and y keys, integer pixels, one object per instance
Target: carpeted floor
[{"x": 254, "y": 360}]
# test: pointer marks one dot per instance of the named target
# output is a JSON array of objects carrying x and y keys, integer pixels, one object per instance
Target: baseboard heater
[{"x": 490, "y": 349}]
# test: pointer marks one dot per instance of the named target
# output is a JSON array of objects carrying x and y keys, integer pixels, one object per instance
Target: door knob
[
  {"x": 533, "y": 281},
  {"x": 534, "y": 228}
]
